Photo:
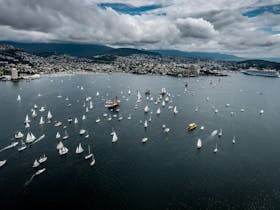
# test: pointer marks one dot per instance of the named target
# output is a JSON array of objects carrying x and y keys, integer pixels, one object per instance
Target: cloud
[{"x": 186, "y": 25}]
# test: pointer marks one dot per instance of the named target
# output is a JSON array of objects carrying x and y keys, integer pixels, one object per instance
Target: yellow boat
[{"x": 191, "y": 126}]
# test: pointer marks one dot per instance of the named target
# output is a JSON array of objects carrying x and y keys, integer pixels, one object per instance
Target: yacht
[
  {"x": 19, "y": 135},
  {"x": 43, "y": 158},
  {"x": 144, "y": 140},
  {"x": 263, "y": 73}
]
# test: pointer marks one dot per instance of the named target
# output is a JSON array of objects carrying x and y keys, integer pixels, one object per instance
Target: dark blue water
[{"x": 168, "y": 172}]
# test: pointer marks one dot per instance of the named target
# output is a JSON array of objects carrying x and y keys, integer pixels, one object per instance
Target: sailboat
[
  {"x": 262, "y": 111},
  {"x": 92, "y": 161},
  {"x": 59, "y": 145},
  {"x": 36, "y": 164},
  {"x": 76, "y": 120},
  {"x": 87, "y": 109},
  {"x": 90, "y": 105},
  {"x": 66, "y": 136},
  {"x": 199, "y": 143},
  {"x": 18, "y": 98},
  {"x": 41, "y": 121},
  {"x": 34, "y": 114},
  {"x": 57, "y": 136},
  {"x": 89, "y": 153},
  {"x": 220, "y": 133},
  {"x": 175, "y": 111},
  {"x": 27, "y": 119},
  {"x": 129, "y": 117},
  {"x": 129, "y": 92},
  {"x": 82, "y": 131},
  {"x": 163, "y": 103},
  {"x": 30, "y": 137},
  {"x": 83, "y": 117},
  {"x": 158, "y": 111},
  {"x": 97, "y": 120},
  {"x": 43, "y": 158},
  {"x": 27, "y": 125},
  {"x": 146, "y": 109},
  {"x": 22, "y": 147},
  {"x": 79, "y": 149},
  {"x": 145, "y": 124},
  {"x": 216, "y": 149},
  {"x": 49, "y": 116},
  {"x": 19, "y": 135},
  {"x": 144, "y": 140},
  {"x": 233, "y": 140},
  {"x": 63, "y": 151},
  {"x": 97, "y": 93},
  {"x": 115, "y": 137},
  {"x": 139, "y": 97}
]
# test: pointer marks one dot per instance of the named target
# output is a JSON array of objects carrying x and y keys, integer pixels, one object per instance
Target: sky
[{"x": 246, "y": 28}]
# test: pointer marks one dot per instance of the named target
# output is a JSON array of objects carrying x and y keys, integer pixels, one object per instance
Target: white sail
[
  {"x": 175, "y": 111},
  {"x": 158, "y": 111},
  {"x": 139, "y": 97},
  {"x": 199, "y": 144},
  {"x": 49, "y": 116},
  {"x": 90, "y": 105},
  {"x": 18, "y": 98},
  {"x": 145, "y": 124},
  {"x": 34, "y": 114},
  {"x": 35, "y": 164},
  {"x": 76, "y": 120},
  {"x": 163, "y": 104},
  {"x": 57, "y": 135},
  {"x": 26, "y": 119},
  {"x": 59, "y": 145},
  {"x": 97, "y": 93},
  {"x": 84, "y": 117},
  {"x": 27, "y": 125},
  {"x": 115, "y": 137},
  {"x": 79, "y": 149},
  {"x": 146, "y": 109},
  {"x": 41, "y": 121}
]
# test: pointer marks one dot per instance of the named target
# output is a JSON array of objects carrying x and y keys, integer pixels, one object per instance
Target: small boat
[
  {"x": 43, "y": 158},
  {"x": 145, "y": 124},
  {"x": 120, "y": 117},
  {"x": 146, "y": 109},
  {"x": 92, "y": 161},
  {"x": 58, "y": 123},
  {"x": 139, "y": 97},
  {"x": 82, "y": 131},
  {"x": 242, "y": 110},
  {"x": 83, "y": 117},
  {"x": 87, "y": 109},
  {"x": 41, "y": 121},
  {"x": 216, "y": 149},
  {"x": 199, "y": 143},
  {"x": 97, "y": 120},
  {"x": 144, "y": 140},
  {"x": 216, "y": 111},
  {"x": 158, "y": 111},
  {"x": 40, "y": 171},
  {"x": 115, "y": 137},
  {"x": 129, "y": 92},
  {"x": 63, "y": 150},
  {"x": 18, "y": 98},
  {"x": 49, "y": 116},
  {"x": 89, "y": 153},
  {"x": 175, "y": 111},
  {"x": 30, "y": 137},
  {"x": 22, "y": 147},
  {"x": 59, "y": 145},
  {"x": 19, "y": 135},
  {"x": 166, "y": 130},
  {"x": 202, "y": 128},
  {"x": 220, "y": 133},
  {"x": 163, "y": 91},
  {"x": 79, "y": 149},
  {"x": 57, "y": 136},
  {"x": 2, "y": 162},
  {"x": 261, "y": 111},
  {"x": 233, "y": 140},
  {"x": 227, "y": 105},
  {"x": 109, "y": 118},
  {"x": 97, "y": 93},
  {"x": 34, "y": 114},
  {"x": 42, "y": 109},
  {"x": 27, "y": 119},
  {"x": 163, "y": 103},
  {"x": 129, "y": 117},
  {"x": 66, "y": 136},
  {"x": 90, "y": 105},
  {"x": 69, "y": 120},
  {"x": 112, "y": 104},
  {"x": 196, "y": 109},
  {"x": 27, "y": 125},
  {"x": 35, "y": 164},
  {"x": 191, "y": 126}
]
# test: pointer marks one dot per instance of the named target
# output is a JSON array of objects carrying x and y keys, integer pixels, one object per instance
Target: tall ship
[{"x": 263, "y": 73}]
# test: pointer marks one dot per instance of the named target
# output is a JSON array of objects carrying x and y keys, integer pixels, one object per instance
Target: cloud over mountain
[{"x": 198, "y": 25}]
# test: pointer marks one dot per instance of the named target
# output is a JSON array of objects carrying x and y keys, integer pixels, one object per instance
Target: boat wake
[
  {"x": 13, "y": 144},
  {"x": 29, "y": 180},
  {"x": 39, "y": 139}
]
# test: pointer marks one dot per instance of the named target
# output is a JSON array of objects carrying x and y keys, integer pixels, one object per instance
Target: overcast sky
[{"x": 248, "y": 28}]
